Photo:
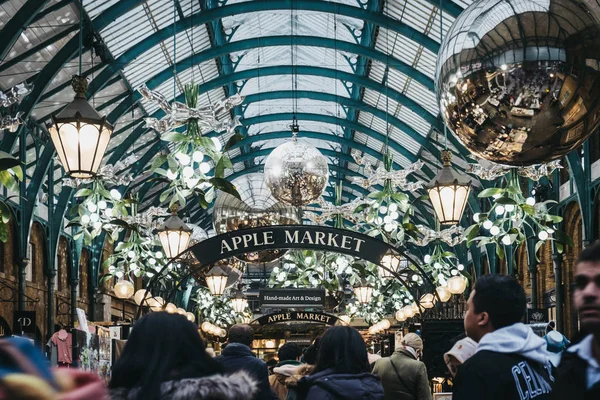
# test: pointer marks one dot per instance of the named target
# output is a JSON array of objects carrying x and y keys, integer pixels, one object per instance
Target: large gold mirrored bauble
[
  {"x": 518, "y": 81},
  {"x": 257, "y": 208},
  {"x": 296, "y": 173}
]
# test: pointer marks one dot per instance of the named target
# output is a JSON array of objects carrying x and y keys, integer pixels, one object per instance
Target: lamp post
[
  {"x": 448, "y": 192},
  {"x": 174, "y": 235},
  {"x": 216, "y": 280}
]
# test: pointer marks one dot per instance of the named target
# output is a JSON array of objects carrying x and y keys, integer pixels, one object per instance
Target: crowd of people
[{"x": 500, "y": 358}]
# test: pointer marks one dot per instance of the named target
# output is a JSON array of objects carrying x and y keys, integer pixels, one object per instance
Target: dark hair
[
  {"x": 501, "y": 297},
  {"x": 161, "y": 347},
  {"x": 289, "y": 351},
  {"x": 590, "y": 253},
  {"x": 241, "y": 333},
  {"x": 310, "y": 354},
  {"x": 343, "y": 349}
]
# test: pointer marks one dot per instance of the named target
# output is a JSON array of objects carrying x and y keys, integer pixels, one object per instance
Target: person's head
[
  {"x": 241, "y": 333},
  {"x": 414, "y": 341},
  {"x": 289, "y": 351},
  {"x": 161, "y": 347},
  {"x": 343, "y": 349},
  {"x": 496, "y": 301},
  {"x": 310, "y": 355},
  {"x": 586, "y": 296}
]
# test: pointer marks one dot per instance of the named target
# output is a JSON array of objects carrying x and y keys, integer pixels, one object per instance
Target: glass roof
[{"x": 359, "y": 80}]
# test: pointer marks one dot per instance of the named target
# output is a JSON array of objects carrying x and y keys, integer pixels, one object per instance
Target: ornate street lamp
[
  {"x": 216, "y": 280},
  {"x": 123, "y": 289},
  {"x": 363, "y": 292},
  {"x": 174, "y": 235},
  {"x": 239, "y": 302},
  {"x": 449, "y": 192}
]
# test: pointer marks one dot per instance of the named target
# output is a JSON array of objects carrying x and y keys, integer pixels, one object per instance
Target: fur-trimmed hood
[
  {"x": 237, "y": 386},
  {"x": 298, "y": 374}
]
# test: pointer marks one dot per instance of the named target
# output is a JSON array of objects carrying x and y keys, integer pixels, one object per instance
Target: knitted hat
[
  {"x": 413, "y": 340},
  {"x": 462, "y": 350}
]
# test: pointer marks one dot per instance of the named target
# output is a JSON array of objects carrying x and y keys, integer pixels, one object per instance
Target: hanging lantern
[
  {"x": 427, "y": 300},
  {"x": 174, "y": 235},
  {"x": 79, "y": 134},
  {"x": 457, "y": 284},
  {"x": 363, "y": 292},
  {"x": 449, "y": 192},
  {"x": 443, "y": 293},
  {"x": 216, "y": 280},
  {"x": 296, "y": 172},
  {"x": 415, "y": 308},
  {"x": 141, "y": 296},
  {"x": 345, "y": 319},
  {"x": 400, "y": 315},
  {"x": 190, "y": 316},
  {"x": 392, "y": 261},
  {"x": 171, "y": 308},
  {"x": 239, "y": 302},
  {"x": 156, "y": 303},
  {"x": 408, "y": 311},
  {"x": 123, "y": 289},
  {"x": 181, "y": 311}
]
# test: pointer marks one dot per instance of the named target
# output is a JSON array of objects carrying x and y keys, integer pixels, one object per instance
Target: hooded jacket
[
  {"x": 236, "y": 357},
  {"x": 237, "y": 386},
  {"x": 410, "y": 383},
  {"x": 511, "y": 363},
  {"x": 573, "y": 377},
  {"x": 281, "y": 372},
  {"x": 327, "y": 385},
  {"x": 297, "y": 375}
]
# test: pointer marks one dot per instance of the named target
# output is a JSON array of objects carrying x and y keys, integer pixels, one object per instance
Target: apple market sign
[
  {"x": 290, "y": 237},
  {"x": 297, "y": 316}
]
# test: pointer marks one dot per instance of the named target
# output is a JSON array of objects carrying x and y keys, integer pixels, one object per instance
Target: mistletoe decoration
[
  {"x": 185, "y": 169},
  {"x": 513, "y": 218},
  {"x": 389, "y": 213},
  {"x": 441, "y": 265},
  {"x": 215, "y": 309}
]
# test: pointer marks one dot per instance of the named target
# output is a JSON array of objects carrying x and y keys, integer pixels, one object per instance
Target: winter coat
[
  {"x": 572, "y": 381},
  {"x": 237, "y": 386},
  {"x": 327, "y": 385},
  {"x": 292, "y": 381},
  {"x": 410, "y": 383},
  {"x": 237, "y": 356},
  {"x": 281, "y": 372},
  {"x": 510, "y": 363}
]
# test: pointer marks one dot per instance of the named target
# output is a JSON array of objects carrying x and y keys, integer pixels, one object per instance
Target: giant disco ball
[
  {"x": 518, "y": 81},
  {"x": 296, "y": 173}
]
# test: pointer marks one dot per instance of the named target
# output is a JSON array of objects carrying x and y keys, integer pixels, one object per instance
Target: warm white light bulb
[
  {"x": 506, "y": 240},
  {"x": 494, "y": 230},
  {"x": 85, "y": 219},
  {"x": 476, "y": 217},
  {"x": 198, "y": 156},
  {"x": 92, "y": 207},
  {"x": 115, "y": 194},
  {"x": 499, "y": 210},
  {"x": 488, "y": 224},
  {"x": 188, "y": 172},
  {"x": 509, "y": 207},
  {"x": 183, "y": 158},
  {"x": 530, "y": 201},
  {"x": 543, "y": 235},
  {"x": 427, "y": 259},
  {"x": 204, "y": 167}
]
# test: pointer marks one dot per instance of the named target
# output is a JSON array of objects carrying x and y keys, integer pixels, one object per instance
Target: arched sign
[
  {"x": 290, "y": 237},
  {"x": 302, "y": 316}
]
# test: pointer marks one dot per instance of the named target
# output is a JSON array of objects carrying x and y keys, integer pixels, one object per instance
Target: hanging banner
[
  {"x": 292, "y": 297},
  {"x": 289, "y": 237},
  {"x": 304, "y": 316}
]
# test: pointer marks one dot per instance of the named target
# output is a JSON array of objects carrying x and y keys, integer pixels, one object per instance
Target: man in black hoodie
[
  {"x": 578, "y": 375},
  {"x": 511, "y": 361}
]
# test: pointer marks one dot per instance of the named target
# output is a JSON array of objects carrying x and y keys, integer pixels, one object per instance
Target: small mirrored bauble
[
  {"x": 257, "y": 208},
  {"x": 518, "y": 81},
  {"x": 296, "y": 173}
]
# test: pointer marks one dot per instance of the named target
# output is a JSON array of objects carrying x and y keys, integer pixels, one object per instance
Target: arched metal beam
[
  {"x": 310, "y": 41},
  {"x": 18, "y": 23},
  {"x": 64, "y": 55},
  {"x": 206, "y": 16}
]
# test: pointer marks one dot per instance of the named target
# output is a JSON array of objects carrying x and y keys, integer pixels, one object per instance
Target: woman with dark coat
[
  {"x": 342, "y": 369},
  {"x": 165, "y": 358}
]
